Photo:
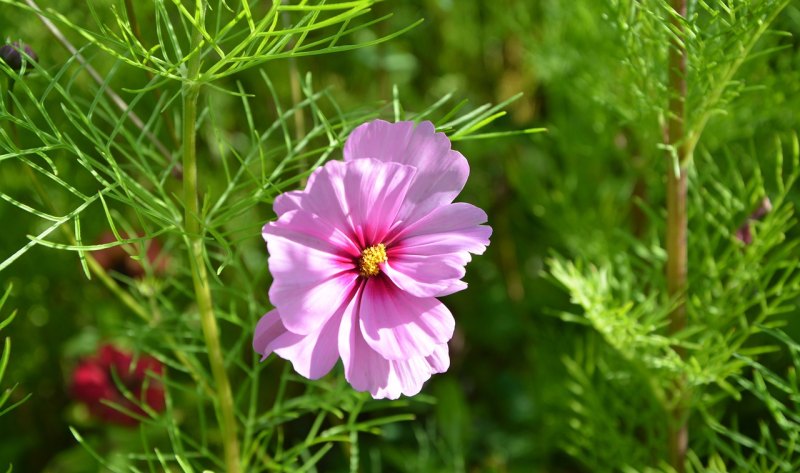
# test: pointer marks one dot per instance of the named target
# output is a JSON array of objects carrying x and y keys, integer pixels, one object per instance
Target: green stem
[
  {"x": 202, "y": 287},
  {"x": 677, "y": 224},
  {"x": 297, "y": 96},
  {"x": 194, "y": 241}
]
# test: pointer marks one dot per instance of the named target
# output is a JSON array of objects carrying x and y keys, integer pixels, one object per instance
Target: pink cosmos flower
[{"x": 359, "y": 257}]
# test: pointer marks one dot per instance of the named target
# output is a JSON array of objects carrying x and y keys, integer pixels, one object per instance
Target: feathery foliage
[{"x": 176, "y": 124}]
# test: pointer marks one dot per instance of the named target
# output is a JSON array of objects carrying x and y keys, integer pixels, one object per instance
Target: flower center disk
[{"x": 371, "y": 258}]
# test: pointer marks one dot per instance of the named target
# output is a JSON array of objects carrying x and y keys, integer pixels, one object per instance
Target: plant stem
[
  {"x": 194, "y": 241},
  {"x": 677, "y": 223},
  {"x": 297, "y": 96}
]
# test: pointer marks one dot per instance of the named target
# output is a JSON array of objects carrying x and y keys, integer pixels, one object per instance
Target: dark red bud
[{"x": 11, "y": 55}]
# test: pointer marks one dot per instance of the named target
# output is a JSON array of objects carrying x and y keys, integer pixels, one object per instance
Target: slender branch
[
  {"x": 297, "y": 97},
  {"x": 194, "y": 241},
  {"x": 132, "y": 19},
  {"x": 118, "y": 101},
  {"x": 299, "y": 118},
  {"x": 677, "y": 223},
  {"x": 676, "y": 182}
]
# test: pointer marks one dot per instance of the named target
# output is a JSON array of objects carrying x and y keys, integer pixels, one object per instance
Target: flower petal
[
  {"x": 308, "y": 229},
  {"x": 91, "y": 383},
  {"x": 324, "y": 196},
  {"x": 407, "y": 376},
  {"x": 306, "y": 306},
  {"x": 375, "y": 193},
  {"x": 399, "y": 326},
  {"x": 426, "y": 276},
  {"x": 268, "y": 328},
  {"x": 287, "y": 201},
  {"x": 441, "y": 171},
  {"x": 312, "y": 355},
  {"x": 358, "y": 199},
  {"x": 366, "y": 370},
  {"x": 293, "y": 200},
  {"x": 439, "y": 360},
  {"x": 313, "y": 274},
  {"x": 451, "y": 228},
  {"x": 427, "y": 257}
]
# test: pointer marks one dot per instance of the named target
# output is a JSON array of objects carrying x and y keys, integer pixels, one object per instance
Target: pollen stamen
[{"x": 371, "y": 258}]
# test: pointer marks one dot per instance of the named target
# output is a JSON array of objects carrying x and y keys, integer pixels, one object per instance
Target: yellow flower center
[{"x": 370, "y": 259}]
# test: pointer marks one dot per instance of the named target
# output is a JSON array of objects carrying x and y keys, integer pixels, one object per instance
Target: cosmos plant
[{"x": 153, "y": 154}]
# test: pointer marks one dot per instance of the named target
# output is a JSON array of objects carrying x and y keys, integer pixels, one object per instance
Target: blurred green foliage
[{"x": 529, "y": 389}]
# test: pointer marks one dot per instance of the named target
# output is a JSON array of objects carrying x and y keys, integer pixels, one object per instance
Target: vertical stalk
[
  {"x": 297, "y": 96},
  {"x": 677, "y": 223},
  {"x": 194, "y": 240},
  {"x": 299, "y": 118}
]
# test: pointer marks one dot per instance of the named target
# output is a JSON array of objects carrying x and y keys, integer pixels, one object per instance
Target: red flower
[
  {"x": 117, "y": 259},
  {"x": 93, "y": 382}
]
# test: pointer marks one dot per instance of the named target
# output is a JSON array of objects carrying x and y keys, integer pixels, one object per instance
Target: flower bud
[
  {"x": 744, "y": 234},
  {"x": 11, "y": 55}
]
